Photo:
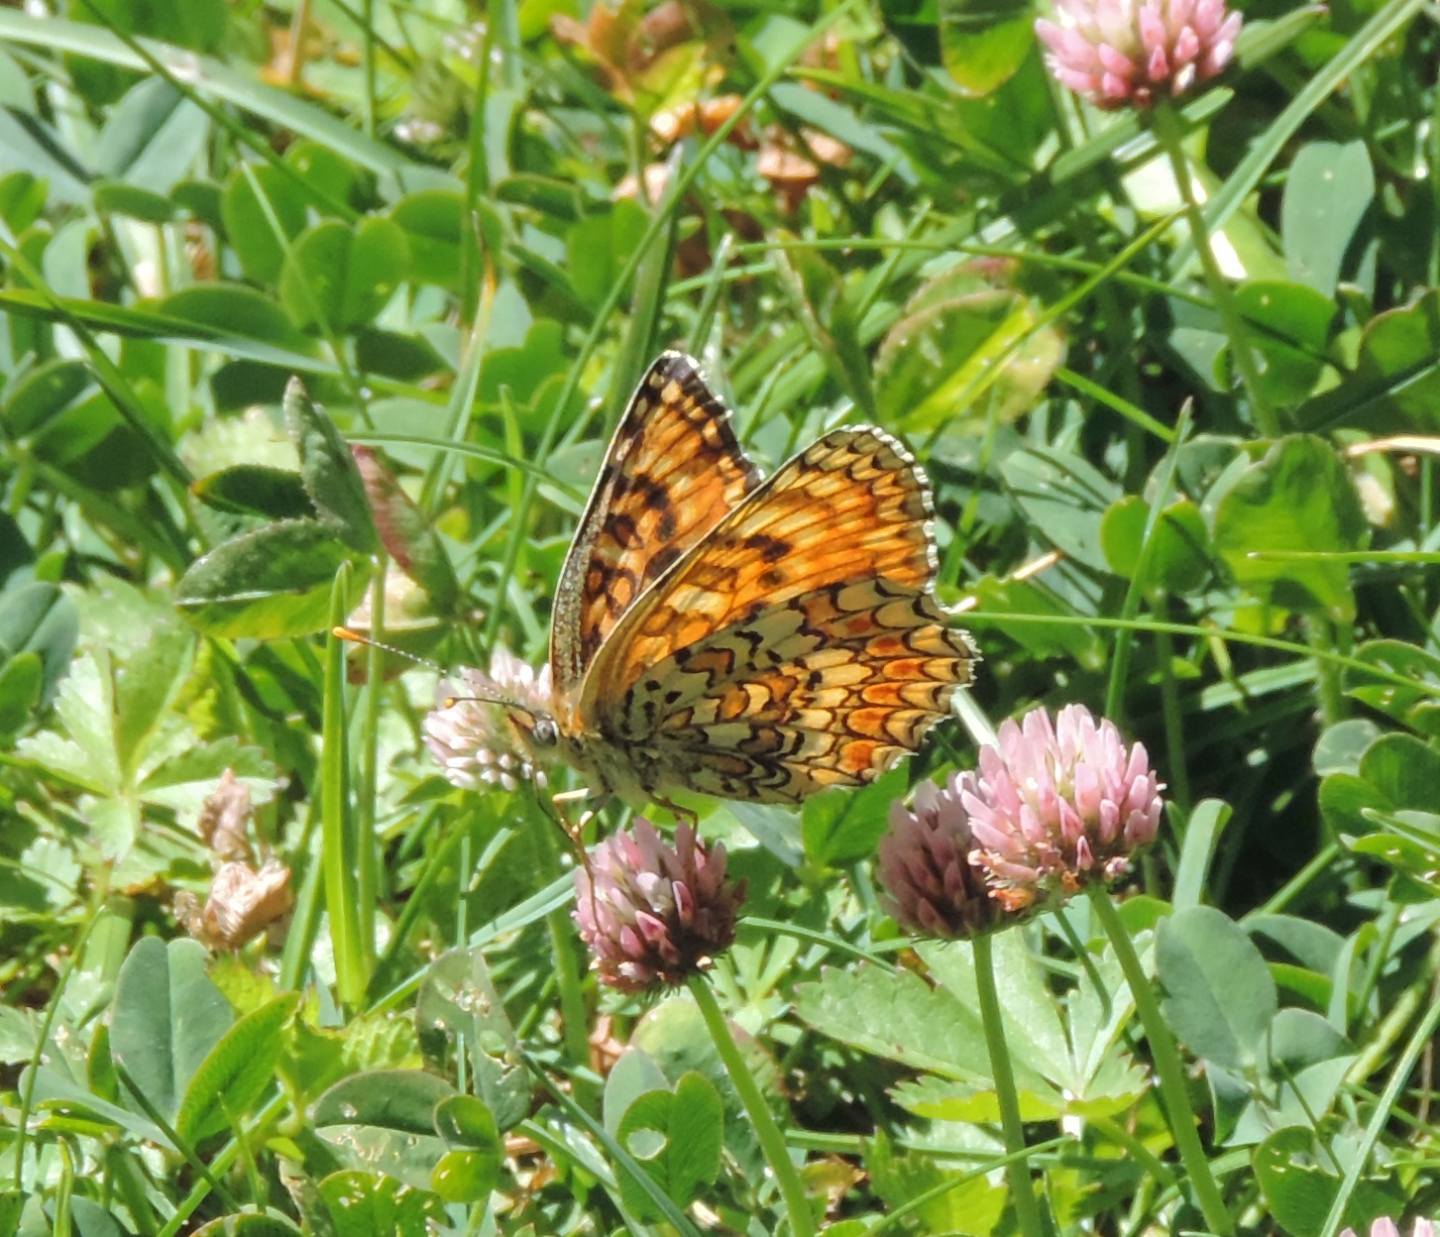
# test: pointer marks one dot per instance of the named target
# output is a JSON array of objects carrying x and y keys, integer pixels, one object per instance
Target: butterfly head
[{"x": 537, "y": 731}]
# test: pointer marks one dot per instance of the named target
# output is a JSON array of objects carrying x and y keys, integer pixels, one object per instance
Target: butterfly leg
[
  {"x": 573, "y": 832},
  {"x": 683, "y": 814}
]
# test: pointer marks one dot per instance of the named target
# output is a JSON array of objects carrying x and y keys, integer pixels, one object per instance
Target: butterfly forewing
[
  {"x": 673, "y": 470},
  {"x": 796, "y": 646}
]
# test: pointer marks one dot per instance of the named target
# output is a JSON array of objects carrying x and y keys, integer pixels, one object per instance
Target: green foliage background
[{"x": 467, "y": 232}]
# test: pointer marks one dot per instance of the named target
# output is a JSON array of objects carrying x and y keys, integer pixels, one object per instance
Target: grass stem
[
  {"x": 772, "y": 1141},
  {"x": 1167, "y": 133},
  {"x": 1167, "y": 1066}
]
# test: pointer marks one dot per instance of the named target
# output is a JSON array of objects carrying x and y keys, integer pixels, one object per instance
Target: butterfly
[{"x": 751, "y": 639}]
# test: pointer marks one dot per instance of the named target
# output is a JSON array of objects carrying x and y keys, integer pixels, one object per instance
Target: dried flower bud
[
  {"x": 1119, "y": 53},
  {"x": 224, "y": 820},
  {"x": 478, "y": 742},
  {"x": 651, "y": 913},
  {"x": 1056, "y": 806},
  {"x": 241, "y": 902},
  {"x": 930, "y": 885},
  {"x": 791, "y": 172},
  {"x": 671, "y": 124}
]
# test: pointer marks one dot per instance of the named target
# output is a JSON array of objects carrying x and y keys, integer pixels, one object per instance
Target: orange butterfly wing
[
  {"x": 798, "y": 645},
  {"x": 673, "y": 470}
]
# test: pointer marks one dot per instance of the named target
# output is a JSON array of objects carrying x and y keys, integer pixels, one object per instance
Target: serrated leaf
[
  {"x": 85, "y": 754},
  {"x": 945, "y": 1099},
  {"x": 144, "y": 686},
  {"x": 1038, "y": 1045},
  {"x": 182, "y": 781}
]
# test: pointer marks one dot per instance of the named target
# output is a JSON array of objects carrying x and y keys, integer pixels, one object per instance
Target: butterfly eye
[{"x": 544, "y": 733}]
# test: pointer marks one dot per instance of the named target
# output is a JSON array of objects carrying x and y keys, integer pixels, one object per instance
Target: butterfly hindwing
[
  {"x": 823, "y": 690},
  {"x": 673, "y": 470}
]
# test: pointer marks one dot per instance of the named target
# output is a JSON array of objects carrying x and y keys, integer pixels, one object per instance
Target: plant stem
[
  {"x": 367, "y": 854},
  {"x": 337, "y": 818},
  {"x": 574, "y": 1012},
  {"x": 1167, "y": 133},
  {"x": 772, "y": 1141},
  {"x": 1329, "y": 688},
  {"x": 1167, "y": 1065},
  {"x": 1022, "y": 1190}
]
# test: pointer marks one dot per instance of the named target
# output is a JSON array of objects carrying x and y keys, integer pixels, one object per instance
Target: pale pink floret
[
  {"x": 930, "y": 886},
  {"x": 1386, "y": 1227},
  {"x": 1131, "y": 52},
  {"x": 652, "y": 913},
  {"x": 472, "y": 738},
  {"x": 1055, "y": 805}
]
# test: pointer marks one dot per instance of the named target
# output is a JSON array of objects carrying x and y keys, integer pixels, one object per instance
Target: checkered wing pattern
[
  {"x": 797, "y": 645},
  {"x": 673, "y": 470}
]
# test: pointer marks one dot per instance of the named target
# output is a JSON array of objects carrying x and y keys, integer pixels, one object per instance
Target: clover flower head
[
  {"x": 478, "y": 742},
  {"x": 652, "y": 913},
  {"x": 1386, "y": 1227},
  {"x": 1054, "y": 806},
  {"x": 930, "y": 886},
  {"x": 1118, "y": 53}
]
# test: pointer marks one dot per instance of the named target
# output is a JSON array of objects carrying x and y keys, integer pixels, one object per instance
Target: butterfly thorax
[{"x": 606, "y": 764}]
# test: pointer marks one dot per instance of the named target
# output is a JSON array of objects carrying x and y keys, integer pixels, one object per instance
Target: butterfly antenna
[
  {"x": 354, "y": 637},
  {"x": 504, "y": 702}
]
